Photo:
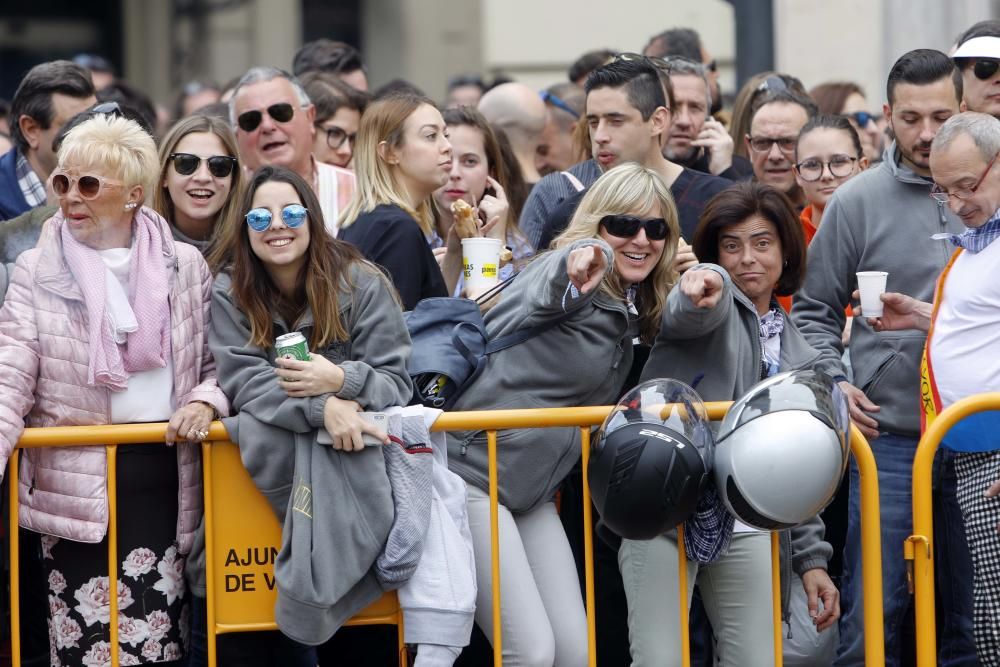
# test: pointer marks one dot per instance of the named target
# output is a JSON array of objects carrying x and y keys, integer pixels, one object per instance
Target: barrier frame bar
[
  {"x": 871, "y": 537},
  {"x": 111, "y": 435},
  {"x": 919, "y": 547}
]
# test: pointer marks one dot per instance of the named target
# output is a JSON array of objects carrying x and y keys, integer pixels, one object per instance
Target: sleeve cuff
[
  {"x": 811, "y": 563},
  {"x": 352, "y": 382},
  {"x": 315, "y": 412}
]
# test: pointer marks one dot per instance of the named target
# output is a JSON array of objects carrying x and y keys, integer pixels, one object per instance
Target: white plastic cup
[
  {"x": 871, "y": 284},
  {"x": 481, "y": 263}
]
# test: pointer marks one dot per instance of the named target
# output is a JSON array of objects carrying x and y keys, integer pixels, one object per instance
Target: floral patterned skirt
[{"x": 152, "y": 602}]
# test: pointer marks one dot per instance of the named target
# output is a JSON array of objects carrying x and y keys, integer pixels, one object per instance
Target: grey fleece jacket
[
  {"x": 582, "y": 361},
  {"x": 724, "y": 344},
  {"x": 270, "y": 428},
  {"x": 880, "y": 220}
]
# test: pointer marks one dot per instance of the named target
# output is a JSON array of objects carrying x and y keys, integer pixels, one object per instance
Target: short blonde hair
[
  {"x": 631, "y": 187},
  {"x": 115, "y": 146}
]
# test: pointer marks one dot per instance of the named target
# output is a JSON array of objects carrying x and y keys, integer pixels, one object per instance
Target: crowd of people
[{"x": 149, "y": 261}]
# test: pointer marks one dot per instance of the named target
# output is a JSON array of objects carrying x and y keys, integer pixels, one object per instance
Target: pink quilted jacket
[{"x": 44, "y": 352}]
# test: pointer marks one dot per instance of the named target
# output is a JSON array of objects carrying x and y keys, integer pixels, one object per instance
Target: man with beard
[
  {"x": 884, "y": 220},
  {"x": 696, "y": 140}
]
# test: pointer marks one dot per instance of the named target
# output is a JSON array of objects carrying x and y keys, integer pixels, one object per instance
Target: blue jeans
[
  {"x": 894, "y": 459},
  {"x": 246, "y": 649}
]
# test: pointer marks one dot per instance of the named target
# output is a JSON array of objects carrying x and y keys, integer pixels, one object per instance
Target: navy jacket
[{"x": 12, "y": 201}]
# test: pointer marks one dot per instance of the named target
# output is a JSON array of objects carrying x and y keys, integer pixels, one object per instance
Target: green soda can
[{"x": 292, "y": 346}]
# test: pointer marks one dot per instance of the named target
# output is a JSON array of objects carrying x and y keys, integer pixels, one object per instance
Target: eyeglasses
[
  {"x": 219, "y": 166},
  {"x": 549, "y": 98},
  {"x": 985, "y": 69},
  {"x": 293, "y": 215},
  {"x": 658, "y": 63},
  {"x": 336, "y": 136},
  {"x": 812, "y": 169},
  {"x": 763, "y": 144},
  {"x": 773, "y": 83},
  {"x": 88, "y": 186},
  {"x": 627, "y": 226},
  {"x": 712, "y": 66},
  {"x": 862, "y": 118},
  {"x": 942, "y": 196},
  {"x": 250, "y": 120}
]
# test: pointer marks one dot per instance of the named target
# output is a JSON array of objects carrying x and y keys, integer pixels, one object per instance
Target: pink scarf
[{"x": 148, "y": 293}]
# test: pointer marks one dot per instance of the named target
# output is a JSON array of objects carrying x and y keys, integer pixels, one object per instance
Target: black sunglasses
[
  {"x": 862, "y": 118},
  {"x": 627, "y": 226},
  {"x": 985, "y": 69},
  {"x": 219, "y": 166},
  {"x": 250, "y": 120}
]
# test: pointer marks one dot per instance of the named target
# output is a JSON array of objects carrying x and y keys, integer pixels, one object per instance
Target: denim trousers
[{"x": 953, "y": 573}]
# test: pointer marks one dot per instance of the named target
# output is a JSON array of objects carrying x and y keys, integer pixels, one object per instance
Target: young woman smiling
[{"x": 200, "y": 177}]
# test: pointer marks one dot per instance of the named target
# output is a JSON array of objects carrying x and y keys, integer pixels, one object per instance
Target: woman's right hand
[
  {"x": 343, "y": 421},
  {"x": 703, "y": 287},
  {"x": 586, "y": 267}
]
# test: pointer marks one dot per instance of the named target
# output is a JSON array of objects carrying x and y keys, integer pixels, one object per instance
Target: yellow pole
[
  {"x": 209, "y": 491},
  {"x": 13, "y": 525},
  {"x": 588, "y": 549},
  {"x": 682, "y": 584},
  {"x": 491, "y": 444},
  {"x": 922, "y": 540},
  {"x": 776, "y": 597},
  {"x": 871, "y": 549},
  {"x": 112, "y": 467}
]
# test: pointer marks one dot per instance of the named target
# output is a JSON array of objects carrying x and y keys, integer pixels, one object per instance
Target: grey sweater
[
  {"x": 582, "y": 361},
  {"x": 336, "y": 508},
  {"x": 880, "y": 220},
  {"x": 724, "y": 344}
]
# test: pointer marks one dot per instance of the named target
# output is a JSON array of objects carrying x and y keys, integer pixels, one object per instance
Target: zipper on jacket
[
  {"x": 942, "y": 218},
  {"x": 468, "y": 439}
]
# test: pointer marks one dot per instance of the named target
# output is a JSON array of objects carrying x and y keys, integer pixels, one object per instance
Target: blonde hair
[
  {"x": 162, "y": 203},
  {"x": 631, "y": 187},
  {"x": 376, "y": 181},
  {"x": 113, "y": 145}
]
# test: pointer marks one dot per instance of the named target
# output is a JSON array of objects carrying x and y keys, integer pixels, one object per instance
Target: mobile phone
[{"x": 378, "y": 419}]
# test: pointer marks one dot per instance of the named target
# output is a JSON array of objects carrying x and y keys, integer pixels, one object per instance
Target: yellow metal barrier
[
  {"x": 584, "y": 418},
  {"x": 219, "y": 452},
  {"x": 919, "y": 547}
]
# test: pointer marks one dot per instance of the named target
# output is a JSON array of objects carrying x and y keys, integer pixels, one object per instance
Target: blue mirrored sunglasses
[{"x": 293, "y": 215}]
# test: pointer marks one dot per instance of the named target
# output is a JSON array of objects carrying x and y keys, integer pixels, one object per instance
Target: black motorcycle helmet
[{"x": 651, "y": 459}]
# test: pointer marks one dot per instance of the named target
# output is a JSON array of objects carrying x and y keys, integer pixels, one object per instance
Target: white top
[
  {"x": 150, "y": 394},
  {"x": 328, "y": 192},
  {"x": 965, "y": 346}
]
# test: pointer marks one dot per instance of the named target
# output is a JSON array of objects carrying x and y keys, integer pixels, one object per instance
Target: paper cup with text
[
  {"x": 871, "y": 284},
  {"x": 480, "y": 263}
]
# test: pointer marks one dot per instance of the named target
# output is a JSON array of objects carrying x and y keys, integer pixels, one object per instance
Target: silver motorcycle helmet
[
  {"x": 782, "y": 449},
  {"x": 651, "y": 459}
]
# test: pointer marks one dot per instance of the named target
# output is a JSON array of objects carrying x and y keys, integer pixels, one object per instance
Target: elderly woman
[
  {"x": 722, "y": 323},
  {"x": 106, "y": 322}
]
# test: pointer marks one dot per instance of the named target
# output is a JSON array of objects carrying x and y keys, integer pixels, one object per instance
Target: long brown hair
[
  {"x": 162, "y": 203},
  {"x": 326, "y": 269}
]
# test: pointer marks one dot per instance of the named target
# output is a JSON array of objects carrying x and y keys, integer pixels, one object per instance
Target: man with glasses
[
  {"x": 884, "y": 220},
  {"x": 775, "y": 122},
  {"x": 274, "y": 122},
  {"x": 978, "y": 56},
  {"x": 48, "y": 96}
]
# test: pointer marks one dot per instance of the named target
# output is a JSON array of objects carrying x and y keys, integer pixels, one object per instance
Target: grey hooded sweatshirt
[
  {"x": 581, "y": 361},
  {"x": 880, "y": 220},
  {"x": 324, "y": 573},
  {"x": 723, "y": 343}
]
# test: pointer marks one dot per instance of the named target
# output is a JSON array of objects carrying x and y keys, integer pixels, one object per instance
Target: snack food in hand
[{"x": 466, "y": 224}]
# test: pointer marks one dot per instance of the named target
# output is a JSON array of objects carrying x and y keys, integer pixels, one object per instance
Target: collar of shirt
[
  {"x": 31, "y": 186},
  {"x": 976, "y": 239}
]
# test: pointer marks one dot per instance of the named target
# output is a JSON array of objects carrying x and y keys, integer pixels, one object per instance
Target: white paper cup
[
  {"x": 871, "y": 284},
  {"x": 481, "y": 263}
]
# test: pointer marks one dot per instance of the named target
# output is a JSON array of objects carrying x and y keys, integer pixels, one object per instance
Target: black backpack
[{"x": 451, "y": 346}]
